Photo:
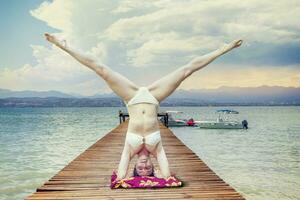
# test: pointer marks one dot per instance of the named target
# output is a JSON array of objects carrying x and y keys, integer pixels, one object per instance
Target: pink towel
[{"x": 144, "y": 182}]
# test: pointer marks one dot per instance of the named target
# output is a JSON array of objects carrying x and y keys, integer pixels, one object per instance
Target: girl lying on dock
[{"x": 143, "y": 133}]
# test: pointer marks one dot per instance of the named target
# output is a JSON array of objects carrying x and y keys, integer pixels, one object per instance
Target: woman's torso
[
  {"x": 142, "y": 109},
  {"x": 143, "y": 118}
]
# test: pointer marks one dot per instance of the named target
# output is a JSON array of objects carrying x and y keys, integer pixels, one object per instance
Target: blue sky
[
  {"x": 145, "y": 41},
  {"x": 18, "y": 30}
]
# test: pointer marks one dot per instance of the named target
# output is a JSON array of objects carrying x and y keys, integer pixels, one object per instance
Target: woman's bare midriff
[{"x": 142, "y": 118}]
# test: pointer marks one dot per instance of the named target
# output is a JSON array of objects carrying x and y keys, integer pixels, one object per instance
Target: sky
[{"x": 146, "y": 40}]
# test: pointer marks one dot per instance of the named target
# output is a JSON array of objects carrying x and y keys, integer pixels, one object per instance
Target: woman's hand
[
  {"x": 117, "y": 177},
  {"x": 157, "y": 173}
]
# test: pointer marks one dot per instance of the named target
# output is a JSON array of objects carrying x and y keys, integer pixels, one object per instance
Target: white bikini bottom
[{"x": 136, "y": 140}]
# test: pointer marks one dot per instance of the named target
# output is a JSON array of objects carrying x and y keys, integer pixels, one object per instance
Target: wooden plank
[{"x": 88, "y": 175}]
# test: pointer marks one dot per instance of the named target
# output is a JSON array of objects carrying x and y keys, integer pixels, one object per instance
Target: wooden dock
[{"x": 88, "y": 175}]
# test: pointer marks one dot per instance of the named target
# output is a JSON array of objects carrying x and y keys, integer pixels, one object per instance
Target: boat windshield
[{"x": 177, "y": 115}]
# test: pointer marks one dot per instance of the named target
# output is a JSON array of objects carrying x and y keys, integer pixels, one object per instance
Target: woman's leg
[
  {"x": 165, "y": 86},
  {"x": 118, "y": 83}
]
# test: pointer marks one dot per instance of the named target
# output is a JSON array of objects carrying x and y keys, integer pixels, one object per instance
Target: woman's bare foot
[
  {"x": 54, "y": 40},
  {"x": 231, "y": 45}
]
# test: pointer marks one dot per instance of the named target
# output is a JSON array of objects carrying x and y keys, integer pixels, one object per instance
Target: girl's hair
[{"x": 136, "y": 174}]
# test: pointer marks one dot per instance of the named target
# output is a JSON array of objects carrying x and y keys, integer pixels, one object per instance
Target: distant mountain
[
  {"x": 264, "y": 95},
  {"x": 4, "y": 93},
  {"x": 110, "y": 95},
  {"x": 60, "y": 102}
]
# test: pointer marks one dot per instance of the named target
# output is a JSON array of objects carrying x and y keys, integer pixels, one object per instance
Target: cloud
[
  {"x": 55, "y": 71},
  {"x": 56, "y": 14},
  {"x": 202, "y": 26},
  {"x": 243, "y": 76},
  {"x": 164, "y": 47},
  {"x": 158, "y": 36}
]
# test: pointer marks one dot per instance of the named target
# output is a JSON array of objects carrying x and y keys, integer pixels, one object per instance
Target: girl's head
[{"x": 143, "y": 166}]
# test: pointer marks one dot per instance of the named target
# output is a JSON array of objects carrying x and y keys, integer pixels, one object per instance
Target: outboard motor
[
  {"x": 190, "y": 122},
  {"x": 245, "y": 124}
]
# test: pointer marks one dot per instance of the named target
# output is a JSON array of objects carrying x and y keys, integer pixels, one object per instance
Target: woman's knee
[
  {"x": 102, "y": 71},
  {"x": 187, "y": 72}
]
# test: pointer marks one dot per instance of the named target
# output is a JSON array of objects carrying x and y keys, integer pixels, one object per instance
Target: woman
[{"x": 143, "y": 133}]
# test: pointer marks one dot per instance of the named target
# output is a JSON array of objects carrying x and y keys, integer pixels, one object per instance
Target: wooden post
[{"x": 120, "y": 115}]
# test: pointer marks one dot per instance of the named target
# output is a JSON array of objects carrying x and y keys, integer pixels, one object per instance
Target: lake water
[{"x": 262, "y": 162}]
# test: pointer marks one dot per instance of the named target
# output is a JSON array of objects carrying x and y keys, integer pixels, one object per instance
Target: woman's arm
[
  {"x": 124, "y": 162},
  {"x": 162, "y": 161}
]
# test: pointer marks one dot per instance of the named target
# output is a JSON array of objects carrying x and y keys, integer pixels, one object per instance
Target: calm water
[{"x": 262, "y": 162}]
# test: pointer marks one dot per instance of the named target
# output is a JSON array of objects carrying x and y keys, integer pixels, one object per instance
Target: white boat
[
  {"x": 222, "y": 122},
  {"x": 178, "y": 118}
]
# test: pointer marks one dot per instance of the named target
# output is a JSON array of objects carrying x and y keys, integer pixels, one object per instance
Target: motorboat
[
  {"x": 228, "y": 111},
  {"x": 179, "y": 118},
  {"x": 223, "y": 122}
]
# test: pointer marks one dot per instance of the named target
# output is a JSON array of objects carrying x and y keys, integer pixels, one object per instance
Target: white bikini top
[
  {"x": 136, "y": 140},
  {"x": 143, "y": 95}
]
